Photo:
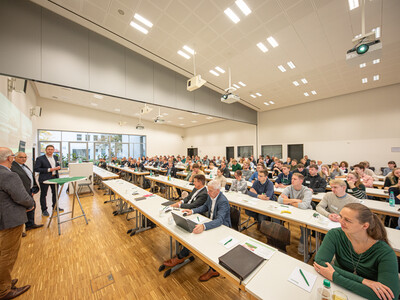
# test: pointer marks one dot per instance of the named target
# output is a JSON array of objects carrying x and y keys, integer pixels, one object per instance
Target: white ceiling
[
  {"x": 314, "y": 34},
  {"x": 125, "y": 108}
]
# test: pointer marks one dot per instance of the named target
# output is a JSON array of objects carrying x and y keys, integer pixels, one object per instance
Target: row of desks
[{"x": 268, "y": 281}]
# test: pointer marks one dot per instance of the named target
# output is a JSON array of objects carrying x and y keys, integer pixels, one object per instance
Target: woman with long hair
[
  {"x": 325, "y": 173},
  {"x": 355, "y": 186},
  {"x": 364, "y": 261},
  {"x": 392, "y": 179},
  {"x": 344, "y": 166},
  {"x": 336, "y": 171}
]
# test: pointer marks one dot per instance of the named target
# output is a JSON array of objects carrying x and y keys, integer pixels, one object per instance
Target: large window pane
[
  {"x": 120, "y": 150},
  {"x": 48, "y": 135},
  {"x": 42, "y": 146},
  {"x": 137, "y": 139},
  {"x": 102, "y": 150},
  {"x": 115, "y": 137},
  {"x": 91, "y": 155},
  {"x": 272, "y": 150},
  {"x": 65, "y": 154},
  {"x": 245, "y": 151},
  {"x": 77, "y": 151},
  {"x": 73, "y": 136}
]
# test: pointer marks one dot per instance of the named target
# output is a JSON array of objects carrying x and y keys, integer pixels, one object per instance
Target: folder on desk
[
  {"x": 140, "y": 198},
  {"x": 240, "y": 261}
]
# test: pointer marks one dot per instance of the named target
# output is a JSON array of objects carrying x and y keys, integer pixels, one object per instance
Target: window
[
  {"x": 245, "y": 151},
  {"x": 272, "y": 150}
]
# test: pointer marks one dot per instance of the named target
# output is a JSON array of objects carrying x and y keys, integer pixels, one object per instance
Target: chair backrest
[
  {"x": 313, "y": 205},
  {"x": 277, "y": 235},
  {"x": 235, "y": 218}
]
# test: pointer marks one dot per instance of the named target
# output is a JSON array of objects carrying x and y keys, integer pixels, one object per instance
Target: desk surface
[{"x": 104, "y": 174}]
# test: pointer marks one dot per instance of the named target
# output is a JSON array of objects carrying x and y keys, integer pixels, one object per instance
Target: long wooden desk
[{"x": 135, "y": 176}]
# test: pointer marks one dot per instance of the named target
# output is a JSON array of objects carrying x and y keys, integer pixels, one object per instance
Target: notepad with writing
[{"x": 297, "y": 279}]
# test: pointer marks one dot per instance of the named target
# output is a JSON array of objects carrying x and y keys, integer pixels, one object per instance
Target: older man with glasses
[{"x": 28, "y": 179}]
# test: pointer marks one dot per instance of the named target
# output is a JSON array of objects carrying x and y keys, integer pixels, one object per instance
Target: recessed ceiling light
[
  {"x": 306, "y": 94},
  {"x": 180, "y": 52},
  {"x": 214, "y": 73},
  {"x": 169, "y": 121},
  {"x": 194, "y": 121},
  {"x": 121, "y": 12},
  {"x": 236, "y": 86},
  {"x": 376, "y": 77},
  {"x": 273, "y": 42},
  {"x": 364, "y": 80},
  {"x": 258, "y": 94},
  {"x": 241, "y": 83},
  {"x": 363, "y": 65},
  {"x": 220, "y": 70},
  {"x": 377, "y": 31},
  {"x": 291, "y": 64},
  {"x": 209, "y": 118},
  {"x": 280, "y": 67},
  {"x": 181, "y": 118},
  {"x": 313, "y": 92},
  {"x": 165, "y": 114},
  {"x": 262, "y": 47},
  {"x": 229, "y": 12},
  {"x": 296, "y": 83},
  {"x": 272, "y": 102},
  {"x": 94, "y": 104},
  {"x": 353, "y": 4},
  {"x": 138, "y": 27},
  {"x": 266, "y": 103},
  {"x": 98, "y": 96},
  {"x": 117, "y": 109},
  {"x": 182, "y": 124},
  {"x": 303, "y": 80},
  {"x": 143, "y": 20},
  {"x": 195, "y": 114},
  {"x": 243, "y": 7},
  {"x": 188, "y": 49},
  {"x": 376, "y": 61},
  {"x": 252, "y": 96}
]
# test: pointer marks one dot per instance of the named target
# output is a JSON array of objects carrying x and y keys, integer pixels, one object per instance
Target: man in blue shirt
[
  {"x": 254, "y": 177},
  {"x": 285, "y": 178},
  {"x": 262, "y": 189}
]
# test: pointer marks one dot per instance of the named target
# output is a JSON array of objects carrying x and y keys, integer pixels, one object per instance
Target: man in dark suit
[
  {"x": 18, "y": 166},
  {"x": 171, "y": 170},
  {"x": 197, "y": 197},
  {"x": 15, "y": 201},
  {"x": 47, "y": 166},
  {"x": 218, "y": 210},
  {"x": 224, "y": 170}
]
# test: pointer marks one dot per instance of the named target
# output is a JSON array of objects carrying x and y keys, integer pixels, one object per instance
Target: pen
[
  {"x": 301, "y": 272},
  {"x": 228, "y": 242},
  {"x": 198, "y": 219}
]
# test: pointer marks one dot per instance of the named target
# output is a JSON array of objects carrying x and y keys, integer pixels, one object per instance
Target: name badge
[
  {"x": 307, "y": 181},
  {"x": 334, "y": 207},
  {"x": 349, "y": 190}
]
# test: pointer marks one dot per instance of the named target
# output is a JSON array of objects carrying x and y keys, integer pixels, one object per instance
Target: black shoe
[
  {"x": 16, "y": 292},
  {"x": 60, "y": 209},
  {"x": 23, "y": 234},
  {"x": 45, "y": 213},
  {"x": 34, "y": 226}
]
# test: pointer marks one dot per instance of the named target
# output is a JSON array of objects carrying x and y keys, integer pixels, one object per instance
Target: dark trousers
[
  {"x": 31, "y": 216},
  {"x": 43, "y": 193}
]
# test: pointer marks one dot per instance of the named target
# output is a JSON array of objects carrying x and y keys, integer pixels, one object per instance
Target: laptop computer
[{"x": 184, "y": 223}]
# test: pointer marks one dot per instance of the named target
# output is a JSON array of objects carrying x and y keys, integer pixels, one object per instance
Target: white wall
[
  {"x": 16, "y": 124},
  {"x": 353, "y": 127},
  {"x": 212, "y": 139},
  {"x": 56, "y": 115}
]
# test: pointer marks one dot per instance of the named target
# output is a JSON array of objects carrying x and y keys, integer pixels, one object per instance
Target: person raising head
[
  {"x": 355, "y": 186},
  {"x": 364, "y": 261}
]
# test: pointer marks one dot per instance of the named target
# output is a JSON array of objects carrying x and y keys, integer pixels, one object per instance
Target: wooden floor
[{"x": 100, "y": 261}]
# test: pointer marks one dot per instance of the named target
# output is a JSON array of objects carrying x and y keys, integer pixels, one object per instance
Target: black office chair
[
  {"x": 277, "y": 235},
  {"x": 235, "y": 218}
]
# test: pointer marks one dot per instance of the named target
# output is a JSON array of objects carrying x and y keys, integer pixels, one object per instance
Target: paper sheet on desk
[
  {"x": 229, "y": 242},
  {"x": 250, "y": 200},
  {"x": 298, "y": 280},
  {"x": 259, "y": 249},
  {"x": 199, "y": 219}
]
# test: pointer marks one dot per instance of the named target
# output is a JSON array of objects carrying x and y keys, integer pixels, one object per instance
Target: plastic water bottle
[
  {"x": 324, "y": 293},
  {"x": 169, "y": 177},
  {"x": 210, "y": 175},
  {"x": 391, "y": 199}
]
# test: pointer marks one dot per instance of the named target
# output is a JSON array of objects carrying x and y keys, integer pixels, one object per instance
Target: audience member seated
[
  {"x": 344, "y": 166},
  {"x": 288, "y": 161},
  {"x": 124, "y": 162},
  {"x": 213, "y": 169},
  {"x": 313, "y": 181},
  {"x": 218, "y": 210},
  {"x": 336, "y": 171},
  {"x": 277, "y": 169},
  {"x": 333, "y": 202},
  {"x": 224, "y": 170},
  {"x": 195, "y": 171},
  {"x": 391, "y": 165},
  {"x": 254, "y": 177},
  {"x": 364, "y": 262},
  {"x": 301, "y": 169},
  {"x": 220, "y": 178},
  {"x": 293, "y": 165},
  {"x": 307, "y": 161},
  {"x": 312, "y": 162},
  {"x": 239, "y": 184},
  {"x": 285, "y": 178},
  {"x": 368, "y": 171},
  {"x": 235, "y": 165},
  {"x": 367, "y": 180},
  {"x": 246, "y": 172},
  {"x": 102, "y": 163},
  {"x": 354, "y": 186},
  {"x": 299, "y": 196},
  {"x": 197, "y": 196},
  {"x": 392, "y": 179},
  {"x": 319, "y": 164},
  {"x": 325, "y": 173},
  {"x": 262, "y": 189},
  {"x": 171, "y": 170}
]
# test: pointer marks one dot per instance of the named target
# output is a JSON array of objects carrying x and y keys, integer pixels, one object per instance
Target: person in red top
[{"x": 367, "y": 180}]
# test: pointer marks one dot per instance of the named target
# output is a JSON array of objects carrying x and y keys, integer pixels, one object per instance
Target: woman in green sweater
[{"x": 364, "y": 261}]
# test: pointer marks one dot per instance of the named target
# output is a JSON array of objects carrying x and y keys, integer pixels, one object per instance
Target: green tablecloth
[{"x": 64, "y": 180}]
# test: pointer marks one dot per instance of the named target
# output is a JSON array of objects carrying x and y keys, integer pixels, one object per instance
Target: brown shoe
[
  {"x": 16, "y": 292},
  {"x": 208, "y": 275},
  {"x": 173, "y": 261},
  {"x": 13, "y": 283}
]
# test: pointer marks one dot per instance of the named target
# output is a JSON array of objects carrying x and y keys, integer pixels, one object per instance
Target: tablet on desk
[
  {"x": 140, "y": 198},
  {"x": 184, "y": 223}
]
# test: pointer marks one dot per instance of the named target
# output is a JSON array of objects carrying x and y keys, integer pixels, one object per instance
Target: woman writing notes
[{"x": 364, "y": 261}]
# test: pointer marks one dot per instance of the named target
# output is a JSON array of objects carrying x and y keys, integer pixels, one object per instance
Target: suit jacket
[
  {"x": 172, "y": 172},
  {"x": 198, "y": 200},
  {"x": 15, "y": 167},
  {"x": 14, "y": 200},
  {"x": 42, "y": 165},
  {"x": 221, "y": 215},
  {"x": 226, "y": 172}
]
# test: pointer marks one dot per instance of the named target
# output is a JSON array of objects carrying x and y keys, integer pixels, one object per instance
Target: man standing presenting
[
  {"x": 28, "y": 180},
  {"x": 47, "y": 166},
  {"x": 14, "y": 203}
]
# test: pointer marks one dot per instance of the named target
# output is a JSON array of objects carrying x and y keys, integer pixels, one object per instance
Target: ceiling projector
[
  {"x": 229, "y": 98},
  {"x": 145, "y": 110},
  {"x": 366, "y": 48},
  {"x": 194, "y": 83},
  {"x": 139, "y": 126},
  {"x": 159, "y": 120}
]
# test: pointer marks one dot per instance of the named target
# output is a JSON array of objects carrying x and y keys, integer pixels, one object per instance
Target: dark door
[
  {"x": 230, "y": 153},
  {"x": 295, "y": 151},
  {"x": 192, "y": 152}
]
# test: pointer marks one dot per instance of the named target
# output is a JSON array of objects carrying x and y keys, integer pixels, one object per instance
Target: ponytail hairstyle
[{"x": 376, "y": 229}]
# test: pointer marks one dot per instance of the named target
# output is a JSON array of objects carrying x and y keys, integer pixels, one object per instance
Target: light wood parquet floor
[{"x": 76, "y": 264}]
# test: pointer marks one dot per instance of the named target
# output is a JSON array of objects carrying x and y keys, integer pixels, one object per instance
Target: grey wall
[{"x": 39, "y": 45}]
